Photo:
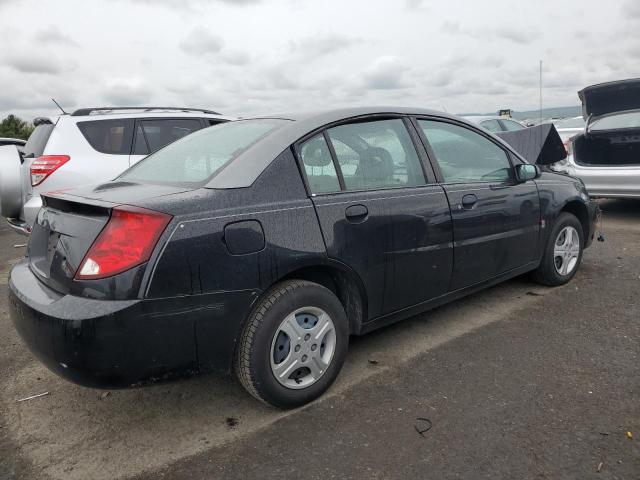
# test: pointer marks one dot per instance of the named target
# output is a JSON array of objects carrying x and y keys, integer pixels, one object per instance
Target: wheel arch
[
  {"x": 579, "y": 210},
  {"x": 343, "y": 282}
]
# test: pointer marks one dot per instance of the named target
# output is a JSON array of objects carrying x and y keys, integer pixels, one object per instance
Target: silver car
[
  {"x": 496, "y": 124},
  {"x": 606, "y": 155}
]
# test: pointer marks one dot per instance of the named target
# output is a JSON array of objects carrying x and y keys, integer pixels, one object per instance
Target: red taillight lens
[
  {"x": 44, "y": 166},
  {"x": 125, "y": 242}
]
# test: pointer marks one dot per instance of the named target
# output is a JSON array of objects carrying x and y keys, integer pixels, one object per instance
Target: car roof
[
  {"x": 295, "y": 126},
  {"x": 147, "y": 112}
]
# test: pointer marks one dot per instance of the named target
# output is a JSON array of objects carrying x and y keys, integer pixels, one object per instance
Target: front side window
[
  {"x": 464, "y": 155},
  {"x": 197, "y": 157},
  {"x": 109, "y": 136},
  {"x": 318, "y": 165},
  {"x": 376, "y": 154}
]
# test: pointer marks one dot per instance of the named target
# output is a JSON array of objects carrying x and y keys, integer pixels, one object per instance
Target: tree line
[{"x": 15, "y": 127}]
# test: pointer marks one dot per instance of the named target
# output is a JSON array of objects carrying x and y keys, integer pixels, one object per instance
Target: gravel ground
[{"x": 518, "y": 381}]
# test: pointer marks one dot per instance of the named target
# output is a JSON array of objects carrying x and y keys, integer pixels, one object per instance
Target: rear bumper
[
  {"x": 608, "y": 182},
  {"x": 115, "y": 344}
]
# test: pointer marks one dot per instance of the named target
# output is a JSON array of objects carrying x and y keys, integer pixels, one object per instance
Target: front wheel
[
  {"x": 563, "y": 252},
  {"x": 293, "y": 345}
]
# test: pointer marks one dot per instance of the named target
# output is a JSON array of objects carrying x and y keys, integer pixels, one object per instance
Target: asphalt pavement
[{"x": 519, "y": 381}]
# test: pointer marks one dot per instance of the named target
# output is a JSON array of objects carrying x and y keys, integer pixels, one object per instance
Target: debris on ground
[
  {"x": 232, "y": 422},
  {"x": 373, "y": 362},
  {"x": 629, "y": 435},
  {"x": 423, "y": 426},
  {"x": 33, "y": 396},
  {"x": 599, "y": 467},
  {"x": 104, "y": 395},
  {"x": 19, "y": 245},
  {"x": 535, "y": 294}
]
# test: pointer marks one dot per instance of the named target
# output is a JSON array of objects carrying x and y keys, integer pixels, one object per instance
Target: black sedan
[{"x": 260, "y": 245}]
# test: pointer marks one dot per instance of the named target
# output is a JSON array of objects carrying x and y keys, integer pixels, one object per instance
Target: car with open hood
[
  {"x": 260, "y": 245},
  {"x": 606, "y": 154}
]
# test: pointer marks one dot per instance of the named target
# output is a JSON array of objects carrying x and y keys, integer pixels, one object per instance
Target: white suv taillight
[{"x": 44, "y": 166}]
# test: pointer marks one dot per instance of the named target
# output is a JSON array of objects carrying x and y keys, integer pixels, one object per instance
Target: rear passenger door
[
  {"x": 378, "y": 213},
  {"x": 495, "y": 219},
  {"x": 153, "y": 134}
]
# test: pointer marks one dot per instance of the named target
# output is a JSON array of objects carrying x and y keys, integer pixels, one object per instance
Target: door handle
[
  {"x": 469, "y": 200},
  {"x": 356, "y": 213}
]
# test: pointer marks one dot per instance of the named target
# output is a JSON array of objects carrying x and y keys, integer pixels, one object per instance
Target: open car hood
[
  {"x": 610, "y": 97},
  {"x": 540, "y": 144}
]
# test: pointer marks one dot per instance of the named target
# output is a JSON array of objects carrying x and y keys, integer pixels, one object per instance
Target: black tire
[
  {"x": 547, "y": 273},
  {"x": 253, "y": 361}
]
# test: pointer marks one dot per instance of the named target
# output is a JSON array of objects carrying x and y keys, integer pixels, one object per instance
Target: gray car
[
  {"x": 496, "y": 124},
  {"x": 606, "y": 155}
]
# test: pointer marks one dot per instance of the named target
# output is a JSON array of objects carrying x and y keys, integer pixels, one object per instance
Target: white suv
[{"x": 90, "y": 145}]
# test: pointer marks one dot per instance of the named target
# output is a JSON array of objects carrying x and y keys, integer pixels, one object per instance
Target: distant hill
[{"x": 553, "y": 112}]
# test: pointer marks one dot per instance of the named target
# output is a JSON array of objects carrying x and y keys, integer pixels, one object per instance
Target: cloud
[
  {"x": 192, "y": 4},
  {"x": 522, "y": 36},
  {"x": 631, "y": 9},
  {"x": 385, "y": 73},
  {"x": 517, "y": 35},
  {"x": 321, "y": 44},
  {"x": 235, "y": 57},
  {"x": 201, "y": 41},
  {"x": 52, "y": 34},
  {"x": 35, "y": 62},
  {"x": 126, "y": 92}
]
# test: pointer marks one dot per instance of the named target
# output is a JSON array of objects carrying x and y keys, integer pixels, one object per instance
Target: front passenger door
[{"x": 495, "y": 219}]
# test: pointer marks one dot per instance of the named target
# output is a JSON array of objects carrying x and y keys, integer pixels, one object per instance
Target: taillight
[
  {"x": 125, "y": 242},
  {"x": 44, "y": 166}
]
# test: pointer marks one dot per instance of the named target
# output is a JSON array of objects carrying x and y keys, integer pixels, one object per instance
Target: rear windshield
[
  {"x": 196, "y": 158},
  {"x": 577, "y": 122},
  {"x": 109, "y": 136},
  {"x": 614, "y": 122},
  {"x": 38, "y": 140}
]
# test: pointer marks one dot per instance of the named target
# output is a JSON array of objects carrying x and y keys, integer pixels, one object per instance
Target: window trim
[
  {"x": 423, "y": 160},
  {"x": 478, "y": 130}
]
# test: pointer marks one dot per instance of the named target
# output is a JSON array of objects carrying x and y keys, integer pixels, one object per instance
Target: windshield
[
  {"x": 197, "y": 157},
  {"x": 613, "y": 122}
]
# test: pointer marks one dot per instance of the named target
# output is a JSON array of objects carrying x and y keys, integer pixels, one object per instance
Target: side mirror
[{"x": 526, "y": 171}]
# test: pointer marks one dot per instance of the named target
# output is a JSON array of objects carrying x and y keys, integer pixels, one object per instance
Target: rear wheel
[
  {"x": 293, "y": 345},
  {"x": 563, "y": 252}
]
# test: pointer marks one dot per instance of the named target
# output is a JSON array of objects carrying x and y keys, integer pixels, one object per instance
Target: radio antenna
[{"x": 58, "y": 105}]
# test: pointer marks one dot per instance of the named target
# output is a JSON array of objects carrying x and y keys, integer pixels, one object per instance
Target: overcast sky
[{"x": 245, "y": 57}]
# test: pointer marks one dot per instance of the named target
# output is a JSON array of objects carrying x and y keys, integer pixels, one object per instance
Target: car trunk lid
[
  {"x": 70, "y": 221},
  {"x": 610, "y": 97}
]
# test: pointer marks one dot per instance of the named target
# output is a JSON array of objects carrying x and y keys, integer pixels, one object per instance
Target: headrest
[{"x": 315, "y": 153}]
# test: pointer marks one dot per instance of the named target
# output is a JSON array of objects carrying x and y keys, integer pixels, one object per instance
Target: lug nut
[
  {"x": 304, "y": 358},
  {"x": 313, "y": 347},
  {"x": 297, "y": 349},
  {"x": 307, "y": 337}
]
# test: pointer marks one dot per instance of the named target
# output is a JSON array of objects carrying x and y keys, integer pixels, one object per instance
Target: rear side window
[
  {"x": 38, "y": 140},
  {"x": 159, "y": 133},
  {"x": 464, "y": 155},
  {"x": 375, "y": 155},
  {"x": 197, "y": 157},
  {"x": 109, "y": 136},
  {"x": 318, "y": 165}
]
